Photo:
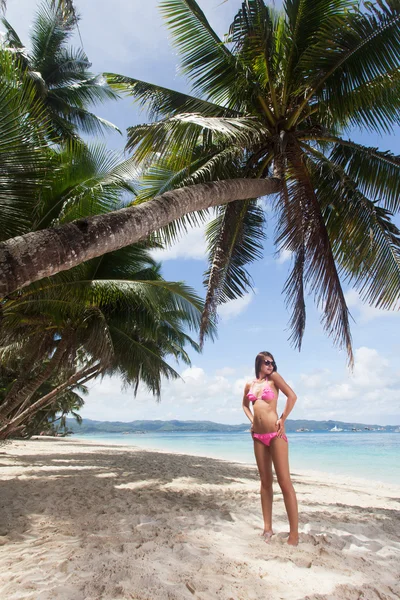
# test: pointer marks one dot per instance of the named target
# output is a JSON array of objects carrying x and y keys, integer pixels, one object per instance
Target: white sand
[{"x": 83, "y": 521}]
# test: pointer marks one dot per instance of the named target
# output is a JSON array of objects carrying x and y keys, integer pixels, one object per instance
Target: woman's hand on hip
[{"x": 280, "y": 427}]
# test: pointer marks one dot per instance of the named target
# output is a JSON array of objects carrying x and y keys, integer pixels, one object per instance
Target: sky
[{"x": 130, "y": 38}]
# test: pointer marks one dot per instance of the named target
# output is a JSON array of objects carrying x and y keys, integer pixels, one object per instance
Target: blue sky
[{"x": 130, "y": 38}]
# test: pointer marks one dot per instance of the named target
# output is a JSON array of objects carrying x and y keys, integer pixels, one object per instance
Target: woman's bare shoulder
[{"x": 276, "y": 377}]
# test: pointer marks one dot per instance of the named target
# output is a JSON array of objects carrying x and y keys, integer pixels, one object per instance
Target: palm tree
[
  {"x": 66, "y": 325},
  {"x": 53, "y": 419},
  {"x": 113, "y": 315},
  {"x": 279, "y": 97},
  {"x": 61, "y": 75},
  {"x": 78, "y": 180}
]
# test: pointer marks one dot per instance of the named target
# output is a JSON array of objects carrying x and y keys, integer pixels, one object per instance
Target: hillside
[{"x": 89, "y": 426}]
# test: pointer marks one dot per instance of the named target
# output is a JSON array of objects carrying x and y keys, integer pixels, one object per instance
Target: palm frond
[
  {"x": 255, "y": 34},
  {"x": 97, "y": 338},
  {"x": 163, "y": 102},
  {"x": 85, "y": 180},
  {"x": 181, "y": 134},
  {"x": 364, "y": 46},
  {"x": 23, "y": 153},
  {"x": 79, "y": 89},
  {"x": 140, "y": 360},
  {"x": 234, "y": 240},
  {"x": 294, "y": 290},
  {"x": 160, "y": 139},
  {"x": 50, "y": 31},
  {"x": 206, "y": 60},
  {"x": 377, "y": 173},
  {"x": 305, "y": 21},
  {"x": 86, "y": 121},
  {"x": 321, "y": 275},
  {"x": 68, "y": 65},
  {"x": 292, "y": 237},
  {"x": 373, "y": 106},
  {"x": 365, "y": 241}
]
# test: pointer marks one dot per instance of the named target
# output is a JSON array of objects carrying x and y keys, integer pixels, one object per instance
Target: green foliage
[
  {"x": 276, "y": 98},
  {"x": 23, "y": 154},
  {"x": 114, "y": 314},
  {"x": 60, "y": 75}
]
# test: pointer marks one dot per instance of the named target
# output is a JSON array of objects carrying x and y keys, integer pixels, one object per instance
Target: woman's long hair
[{"x": 261, "y": 356}]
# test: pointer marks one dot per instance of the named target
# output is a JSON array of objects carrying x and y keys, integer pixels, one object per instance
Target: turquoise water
[{"x": 368, "y": 455}]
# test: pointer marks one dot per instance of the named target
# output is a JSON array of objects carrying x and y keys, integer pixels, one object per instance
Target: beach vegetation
[
  {"x": 271, "y": 113},
  {"x": 280, "y": 96},
  {"x": 60, "y": 74},
  {"x": 112, "y": 315}
]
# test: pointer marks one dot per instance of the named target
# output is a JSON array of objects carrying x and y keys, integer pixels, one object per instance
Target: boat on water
[{"x": 336, "y": 429}]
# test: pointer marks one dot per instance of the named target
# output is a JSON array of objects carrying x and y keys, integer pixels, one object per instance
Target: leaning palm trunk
[
  {"x": 19, "y": 397},
  {"x": 81, "y": 376},
  {"x": 40, "y": 254}
]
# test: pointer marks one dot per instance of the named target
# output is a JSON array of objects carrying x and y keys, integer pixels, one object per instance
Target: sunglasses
[{"x": 269, "y": 363}]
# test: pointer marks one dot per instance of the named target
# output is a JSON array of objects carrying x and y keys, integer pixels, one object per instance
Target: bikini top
[{"x": 267, "y": 393}]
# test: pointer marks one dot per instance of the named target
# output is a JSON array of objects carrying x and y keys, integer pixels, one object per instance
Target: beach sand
[{"x": 82, "y": 520}]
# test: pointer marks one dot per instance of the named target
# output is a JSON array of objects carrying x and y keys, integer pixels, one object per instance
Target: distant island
[{"x": 302, "y": 425}]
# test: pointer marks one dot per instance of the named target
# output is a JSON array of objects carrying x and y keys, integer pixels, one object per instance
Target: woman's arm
[
  {"x": 246, "y": 404},
  {"x": 290, "y": 400}
]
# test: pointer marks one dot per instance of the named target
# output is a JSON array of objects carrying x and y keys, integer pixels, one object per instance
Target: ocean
[{"x": 367, "y": 455}]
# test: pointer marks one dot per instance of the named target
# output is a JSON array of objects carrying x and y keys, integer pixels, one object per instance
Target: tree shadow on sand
[
  {"x": 111, "y": 513},
  {"x": 129, "y": 479}
]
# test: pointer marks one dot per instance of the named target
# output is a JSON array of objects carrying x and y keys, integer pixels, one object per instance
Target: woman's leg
[
  {"x": 280, "y": 458},
  {"x": 264, "y": 464}
]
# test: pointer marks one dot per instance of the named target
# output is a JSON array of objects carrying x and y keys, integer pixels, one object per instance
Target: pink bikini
[
  {"x": 266, "y": 438},
  {"x": 267, "y": 395}
]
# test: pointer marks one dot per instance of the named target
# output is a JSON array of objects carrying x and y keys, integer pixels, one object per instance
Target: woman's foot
[
  {"x": 267, "y": 535},
  {"x": 293, "y": 539}
]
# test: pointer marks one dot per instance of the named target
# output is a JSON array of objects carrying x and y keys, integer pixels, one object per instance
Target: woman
[{"x": 270, "y": 441}]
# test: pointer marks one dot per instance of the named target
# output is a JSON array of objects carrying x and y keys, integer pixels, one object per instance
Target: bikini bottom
[{"x": 266, "y": 438}]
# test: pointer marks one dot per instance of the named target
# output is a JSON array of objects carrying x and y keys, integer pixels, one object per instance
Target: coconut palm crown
[
  {"x": 280, "y": 96},
  {"x": 61, "y": 75}
]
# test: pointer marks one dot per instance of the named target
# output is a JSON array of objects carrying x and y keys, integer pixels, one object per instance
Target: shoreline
[
  {"x": 87, "y": 520},
  {"x": 334, "y": 478}
]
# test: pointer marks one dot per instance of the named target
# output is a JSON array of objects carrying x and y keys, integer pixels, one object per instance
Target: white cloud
[
  {"x": 225, "y": 371},
  {"x": 370, "y": 394},
  {"x": 193, "y": 373},
  {"x": 232, "y": 309},
  {"x": 191, "y": 245},
  {"x": 315, "y": 379},
  {"x": 197, "y": 395},
  {"x": 284, "y": 256},
  {"x": 369, "y": 366},
  {"x": 365, "y": 312},
  {"x": 367, "y": 394}
]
